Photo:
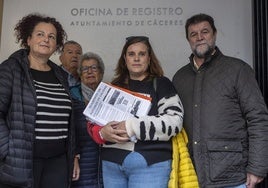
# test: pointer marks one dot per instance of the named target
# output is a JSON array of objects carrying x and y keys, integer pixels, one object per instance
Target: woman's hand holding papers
[{"x": 114, "y": 132}]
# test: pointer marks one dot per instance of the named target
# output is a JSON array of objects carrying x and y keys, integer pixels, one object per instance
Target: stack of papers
[{"x": 112, "y": 103}]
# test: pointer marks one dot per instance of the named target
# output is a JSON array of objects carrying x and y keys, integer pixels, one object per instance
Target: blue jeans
[{"x": 135, "y": 173}]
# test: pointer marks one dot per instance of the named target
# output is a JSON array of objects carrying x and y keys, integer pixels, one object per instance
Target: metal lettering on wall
[{"x": 103, "y": 17}]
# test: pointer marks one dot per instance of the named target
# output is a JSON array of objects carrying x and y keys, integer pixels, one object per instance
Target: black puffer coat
[
  {"x": 90, "y": 163},
  {"x": 17, "y": 121},
  {"x": 226, "y": 120}
]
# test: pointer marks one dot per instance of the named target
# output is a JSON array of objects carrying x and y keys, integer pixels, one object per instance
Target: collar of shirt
[{"x": 72, "y": 81}]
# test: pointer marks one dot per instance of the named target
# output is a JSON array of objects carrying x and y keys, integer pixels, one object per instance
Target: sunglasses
[{"x": 141, "y": 38}]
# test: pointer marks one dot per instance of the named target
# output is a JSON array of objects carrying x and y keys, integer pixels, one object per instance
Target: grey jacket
[
  {"x": 17, "y": 120},
  {"x": 226, "y": 120}
]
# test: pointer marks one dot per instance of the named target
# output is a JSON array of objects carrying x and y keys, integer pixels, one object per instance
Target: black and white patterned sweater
[{"x": 154, "y": 131}]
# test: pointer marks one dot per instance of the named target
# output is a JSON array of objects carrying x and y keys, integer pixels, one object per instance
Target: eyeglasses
[
  {"x": 141, "y": 38},
  {"x": 93, "y": 68}
]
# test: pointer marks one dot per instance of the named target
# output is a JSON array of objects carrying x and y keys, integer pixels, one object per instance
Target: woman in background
[{"x": 90, "y": 70}]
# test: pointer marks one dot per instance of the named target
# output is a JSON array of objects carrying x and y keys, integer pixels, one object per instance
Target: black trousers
[
  {"x": 6, "y": 186},
  {"x": 48, "y": 173},
  {"x": 51, "y": 173}
]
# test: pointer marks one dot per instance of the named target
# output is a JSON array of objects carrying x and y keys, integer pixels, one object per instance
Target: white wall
[{"x": 162, "y": 20}]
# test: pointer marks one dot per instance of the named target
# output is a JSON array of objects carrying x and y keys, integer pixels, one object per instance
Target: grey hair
[
  {"x": 70, "y": 42},
  {"x": 88, "y": 56}
]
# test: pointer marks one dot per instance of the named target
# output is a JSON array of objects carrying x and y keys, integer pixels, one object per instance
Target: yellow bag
[{"x": 183, "y": 174}]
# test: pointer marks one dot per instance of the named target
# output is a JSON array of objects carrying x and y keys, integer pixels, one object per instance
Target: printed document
[{"x": 112, "y": 103}]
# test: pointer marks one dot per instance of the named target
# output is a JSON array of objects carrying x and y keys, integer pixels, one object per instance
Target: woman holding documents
[
  {"x": 90, "y": 70},
  {"x": 137, "y": 152}
]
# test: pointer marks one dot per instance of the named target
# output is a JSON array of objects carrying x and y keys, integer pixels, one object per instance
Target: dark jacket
[
  {"x": 90, "y": 163},
  {"x": 17, "y": 121},
  {"x": 226, "y": 120}
]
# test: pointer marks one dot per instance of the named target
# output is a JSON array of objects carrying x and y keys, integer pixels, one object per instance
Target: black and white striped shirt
[{"x": 52, "y": 116}]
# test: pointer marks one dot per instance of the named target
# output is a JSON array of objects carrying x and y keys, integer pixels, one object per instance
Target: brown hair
[
  {"x": 121, "y": 72},
  {"x": 195, "y": 19},
  {"x": 24, "y": 28}
]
